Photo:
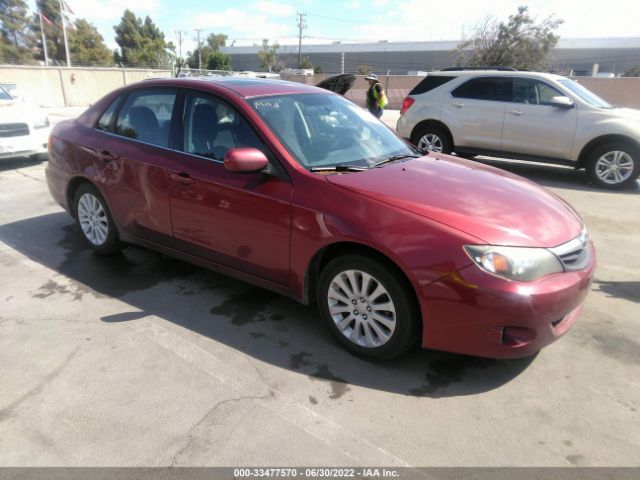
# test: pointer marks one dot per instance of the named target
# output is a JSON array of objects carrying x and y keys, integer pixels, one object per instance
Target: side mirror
[
  {"x": 245, "y": 160},
  {"x": 561, "y": 102}
]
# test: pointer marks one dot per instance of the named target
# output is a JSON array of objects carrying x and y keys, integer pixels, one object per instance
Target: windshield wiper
[
  {"x": 394, "y": 158},
  {"x": 338, "y": 168}
]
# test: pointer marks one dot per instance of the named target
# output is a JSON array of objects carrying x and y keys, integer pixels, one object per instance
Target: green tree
[
  {"x": 306, "y": 63},
  {"x": 268, "y": 57},
  {"x": 86, "y": 45},
  {"x": 16, "y": 37},
  {"x": 141, "y": 42},
  {"x": 212, "y": 57},
  {"x": 519, "y": 42},
  {"x": 218, "y": 61},
  {"x": 632, "y": 72}
]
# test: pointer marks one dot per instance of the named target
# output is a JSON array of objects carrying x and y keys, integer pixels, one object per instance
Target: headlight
[
  {"x": 41, "y": 122},
  {"x": 515, "y": 263}
]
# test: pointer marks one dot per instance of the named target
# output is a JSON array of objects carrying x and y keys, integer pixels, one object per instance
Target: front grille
[
  {"x": 574, "y": 254},
  {"x": 13, "y": 129}
]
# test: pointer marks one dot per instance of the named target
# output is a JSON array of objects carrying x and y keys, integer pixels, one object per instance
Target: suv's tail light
[{"x": 406, "y": 103}]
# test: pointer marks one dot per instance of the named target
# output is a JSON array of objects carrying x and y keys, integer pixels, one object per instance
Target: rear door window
[
  {"x": 146, "y": 116},
  {"x": 485, "y": 88},
  {"x": 430, "y": 83}
]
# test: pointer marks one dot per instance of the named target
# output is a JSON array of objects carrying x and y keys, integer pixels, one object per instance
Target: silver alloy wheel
[
  {"x": 614, "y": 167},
  {"x": 431, "y": 142},
  {"x": 93, "y": 219},
  {"x": 361, "y": 308}
]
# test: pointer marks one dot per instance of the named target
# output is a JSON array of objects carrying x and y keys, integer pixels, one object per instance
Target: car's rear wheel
[
  {"x": 614, "y": 165},
  {"x": 94, "y": 221},
  {"x": 433, "y": 139},
  {"x": 368, "y": 307}
]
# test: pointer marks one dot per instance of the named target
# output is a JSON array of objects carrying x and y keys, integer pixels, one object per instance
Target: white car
[
  {"x": 24, "y": 129},
  {"x": 527, "y": 116}
]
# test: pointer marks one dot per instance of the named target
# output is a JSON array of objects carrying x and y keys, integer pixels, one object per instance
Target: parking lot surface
[{"x": 139, "y": 359}]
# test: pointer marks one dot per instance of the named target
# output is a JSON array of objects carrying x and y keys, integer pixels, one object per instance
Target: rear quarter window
[{"x": 430, "y": 83}]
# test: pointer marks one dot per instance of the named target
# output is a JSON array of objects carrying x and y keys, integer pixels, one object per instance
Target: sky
[{"x": 247, "y": 22}]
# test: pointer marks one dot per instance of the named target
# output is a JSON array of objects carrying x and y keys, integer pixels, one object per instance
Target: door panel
[
  {"x": 132, "y": 162},
  {"x": 238, "y": 220},
  {"x": 475, "y": 112},
  {"x": 532, "y": 126}
]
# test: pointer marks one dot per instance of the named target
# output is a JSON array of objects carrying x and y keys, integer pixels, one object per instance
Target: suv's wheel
[
  {"x": 614, "y": 165},
  {"x": 433, "y": 139},
  {"x": 367, "y": 307},
  {"x": 94, "y": 221}
]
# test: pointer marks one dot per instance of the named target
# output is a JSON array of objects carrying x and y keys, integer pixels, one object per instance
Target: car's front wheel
[
  {"x": 95, "y": 222},
  {"x": 433, "y": 139},
  {"x": 368, "y": 307},
  {"x": 614, "y": 165}
]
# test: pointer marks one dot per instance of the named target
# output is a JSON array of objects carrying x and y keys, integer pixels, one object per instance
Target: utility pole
[
  {"x": 198, "y": 30},
  {"x": 179, "y": 34},
  {"x": 301, "y": 26},
  {"x": 342, "y": 62}
]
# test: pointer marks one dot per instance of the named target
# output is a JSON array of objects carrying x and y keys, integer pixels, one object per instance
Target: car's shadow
[
  {"x": 553, "y": 175},
  {"x": 258, "y": 323},
  {"x": 19, "y": 162}
]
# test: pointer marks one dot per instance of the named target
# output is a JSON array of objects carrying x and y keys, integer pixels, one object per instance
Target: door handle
[
  {"x": 106, "y": 156},
  {"x": 183, "y": 178},
  {"x": 517, "y": 113},
  {"x": 458, "y": 104}
]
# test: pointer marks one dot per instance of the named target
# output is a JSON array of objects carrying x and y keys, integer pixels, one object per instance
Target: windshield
[
  {"x": 584, "y": 94},
  {"x": 4, "y": 95},
  {"x": 327, "y": 130}
]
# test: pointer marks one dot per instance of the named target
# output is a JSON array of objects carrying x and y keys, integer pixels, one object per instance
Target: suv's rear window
[
  {"x": 429, "y": 83},
  {"x": 485, "y": 88}
]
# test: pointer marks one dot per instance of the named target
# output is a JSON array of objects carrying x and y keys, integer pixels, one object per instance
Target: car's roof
[
  {"x": 496, "y": 73},
  {"x": 243, "y": 86}
]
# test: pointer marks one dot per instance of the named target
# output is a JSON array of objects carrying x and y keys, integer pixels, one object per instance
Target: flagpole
[
  {"x": 64, "y": 34},
  {"x": 44, "y": 40}
]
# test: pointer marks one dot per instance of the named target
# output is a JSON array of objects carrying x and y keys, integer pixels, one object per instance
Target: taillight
[
  {"x": 50, "y": 142},
  {"x": 406, "y": 103}
]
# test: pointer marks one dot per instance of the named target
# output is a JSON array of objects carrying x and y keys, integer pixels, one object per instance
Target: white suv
[{"x": 524, "y": 115}]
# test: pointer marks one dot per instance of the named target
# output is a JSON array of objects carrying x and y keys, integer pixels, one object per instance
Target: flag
[
  {"x": 45, "y": 19},
  {"x": 68, "y": 23},
  {"x": 67, "y": 8}
]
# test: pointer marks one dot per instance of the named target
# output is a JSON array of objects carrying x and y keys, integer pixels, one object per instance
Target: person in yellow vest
[{"x": 376, "y": 98}]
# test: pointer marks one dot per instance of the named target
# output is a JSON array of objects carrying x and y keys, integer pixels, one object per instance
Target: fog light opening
[{"x": 512, "y": 336}]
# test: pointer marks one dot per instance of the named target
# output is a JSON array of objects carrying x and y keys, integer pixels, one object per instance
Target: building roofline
[{"x": 440, "y": 45}]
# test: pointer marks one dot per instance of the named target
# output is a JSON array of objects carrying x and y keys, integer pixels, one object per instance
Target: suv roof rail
[{"x": 457, "y": 69}]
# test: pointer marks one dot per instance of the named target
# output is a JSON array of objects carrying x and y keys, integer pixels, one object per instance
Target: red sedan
[{"x": 300, "y": 191}]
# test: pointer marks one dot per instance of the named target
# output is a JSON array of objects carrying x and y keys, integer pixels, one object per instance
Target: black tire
[
  {"x": 444, "y": 138},
  {"x": 596, "y": 169},
  {"x": 406, "y": 330},
  {"x": 111, "y": 243}
]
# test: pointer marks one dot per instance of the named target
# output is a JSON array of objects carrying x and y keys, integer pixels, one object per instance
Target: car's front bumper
[{"x": 475, "y": 313}]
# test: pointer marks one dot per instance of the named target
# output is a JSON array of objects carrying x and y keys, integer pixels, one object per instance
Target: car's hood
[{"x": 495, "y": 206}]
